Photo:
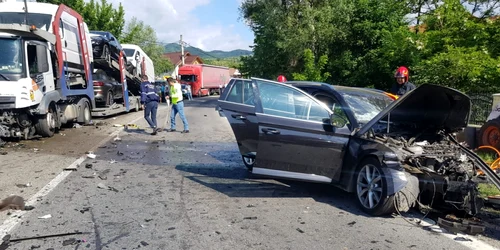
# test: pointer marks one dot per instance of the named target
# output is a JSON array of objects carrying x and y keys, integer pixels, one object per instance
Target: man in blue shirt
[{"x": 149, "y": 101}]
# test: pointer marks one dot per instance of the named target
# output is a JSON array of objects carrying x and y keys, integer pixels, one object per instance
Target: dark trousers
[
  {"x": 150, "y": 113},
  {"x": 162, "y": 97}
]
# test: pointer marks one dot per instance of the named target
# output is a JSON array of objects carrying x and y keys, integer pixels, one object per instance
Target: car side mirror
[{"x": 337, "y": 121}]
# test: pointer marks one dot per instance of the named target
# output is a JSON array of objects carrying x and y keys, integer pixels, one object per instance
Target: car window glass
[
  {"x": 241, "y": 92},
  {"x": 333, "y": 104},
  {"x": 285, "y": 101}
]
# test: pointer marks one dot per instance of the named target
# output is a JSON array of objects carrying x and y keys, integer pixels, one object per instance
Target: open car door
[{"x": 237, "y": 105}]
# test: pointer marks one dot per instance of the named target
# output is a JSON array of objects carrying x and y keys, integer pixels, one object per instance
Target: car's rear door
[
  {"x": 295, "y": 138},
  {"x": 237, "y": 104}
]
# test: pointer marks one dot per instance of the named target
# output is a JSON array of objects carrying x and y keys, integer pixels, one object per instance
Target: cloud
[{"x": 171, "y": 18}]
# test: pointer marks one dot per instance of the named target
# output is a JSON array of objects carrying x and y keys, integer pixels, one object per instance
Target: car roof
[{"x": 326, "y": 86}]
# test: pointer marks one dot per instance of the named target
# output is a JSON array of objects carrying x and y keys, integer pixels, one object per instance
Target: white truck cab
[{"x": 44, "y": 73}]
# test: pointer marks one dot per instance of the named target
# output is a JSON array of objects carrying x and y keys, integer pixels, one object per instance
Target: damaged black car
[{"x": 393, "y": 155}]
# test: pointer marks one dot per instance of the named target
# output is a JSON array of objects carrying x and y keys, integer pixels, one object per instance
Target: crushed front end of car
[{"x": 419, "y": 131}]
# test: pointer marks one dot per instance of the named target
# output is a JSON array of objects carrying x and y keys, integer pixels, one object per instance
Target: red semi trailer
[{"x": 204, "y": 79}]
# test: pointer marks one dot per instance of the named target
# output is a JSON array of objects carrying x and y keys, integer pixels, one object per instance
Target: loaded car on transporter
[{"x": 389, "y": 153}]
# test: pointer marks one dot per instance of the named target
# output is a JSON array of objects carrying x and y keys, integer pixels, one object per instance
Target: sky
[{"x": 205, "y": 24}]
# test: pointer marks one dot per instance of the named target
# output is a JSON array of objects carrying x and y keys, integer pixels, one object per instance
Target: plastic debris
[
  {"x": 48, "y": 216},
  {"x": 91, "y": 155}
]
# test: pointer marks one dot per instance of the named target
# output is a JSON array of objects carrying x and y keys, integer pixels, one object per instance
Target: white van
[
  {"x": 42, "y": 16},
  {"x": 135, "y": 55}
]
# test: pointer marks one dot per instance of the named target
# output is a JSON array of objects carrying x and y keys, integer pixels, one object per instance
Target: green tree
[
  {"x": 231, "y": 62},
  {"x": 312, "y": 71},
  {"x": 144, "y": 36},
  {"x": 459, "y": 49}
]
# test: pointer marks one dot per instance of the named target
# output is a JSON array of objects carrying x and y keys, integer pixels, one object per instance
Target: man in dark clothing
[
  {"x": 402, "y": 86},
  {"x": 149, "y": 101}
]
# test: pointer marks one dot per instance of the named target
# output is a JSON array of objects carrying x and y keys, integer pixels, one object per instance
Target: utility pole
[
  {"x": 25, "y": 13},
  {"x": 182, "y": 51}
]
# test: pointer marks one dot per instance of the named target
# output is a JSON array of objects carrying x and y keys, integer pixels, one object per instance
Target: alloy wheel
[{"x": 369, "y": 186}]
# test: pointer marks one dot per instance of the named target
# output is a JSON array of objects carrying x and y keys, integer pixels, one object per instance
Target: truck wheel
[
  {"x": 87, "y": 116},
  {"x": 489, "y": 134},
  {"x": 46, "y": 125},
  {"x": 137, "y": 106}
]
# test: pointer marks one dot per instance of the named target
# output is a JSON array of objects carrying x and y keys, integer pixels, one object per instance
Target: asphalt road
[{"x": 183, "y": 191}]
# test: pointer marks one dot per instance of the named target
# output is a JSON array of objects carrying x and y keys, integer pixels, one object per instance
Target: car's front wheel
[{"x": 371, "y": 189}]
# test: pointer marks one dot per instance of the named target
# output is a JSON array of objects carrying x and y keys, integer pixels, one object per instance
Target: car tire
[
  {"x": 371, "y": 189},
  {"x": 106, "y": 54},
  {"x": 248, "y": 161},
  {"x": 489, "y": 134},
  {"x": 110, "y": 98}
]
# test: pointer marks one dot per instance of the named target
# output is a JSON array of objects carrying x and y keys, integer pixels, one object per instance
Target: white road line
[
  {"x": 474, "y": 244},
  {"x": 17, "y": 216}
]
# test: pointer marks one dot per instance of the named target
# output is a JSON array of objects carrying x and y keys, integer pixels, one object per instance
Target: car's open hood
[{"x": 428, "y": 106}]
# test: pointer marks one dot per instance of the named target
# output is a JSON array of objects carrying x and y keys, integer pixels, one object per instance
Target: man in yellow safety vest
[{"x": 177, "y": 105}]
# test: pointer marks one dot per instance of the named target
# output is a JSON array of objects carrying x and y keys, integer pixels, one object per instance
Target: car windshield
[
  {"x": 365, "y": 104},
  {"x": 129, "y": 52},
  {"x": 41, "y": 21},
  {"x": 10, "y": 56}
]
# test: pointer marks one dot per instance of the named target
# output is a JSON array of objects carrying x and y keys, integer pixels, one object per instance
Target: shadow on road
[{"x": 239, "y": 182}]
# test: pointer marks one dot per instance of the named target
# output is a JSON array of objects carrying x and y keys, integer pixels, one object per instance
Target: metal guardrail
[{"x": 481, "y": 107}]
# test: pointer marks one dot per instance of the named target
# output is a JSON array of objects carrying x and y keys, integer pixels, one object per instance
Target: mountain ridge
[{"x": 214, "y": 54}]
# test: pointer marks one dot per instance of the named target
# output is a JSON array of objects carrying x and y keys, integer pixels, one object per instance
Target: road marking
[
  {"x": 474, "y": 244},
  {"x": 17, "y": 216}
]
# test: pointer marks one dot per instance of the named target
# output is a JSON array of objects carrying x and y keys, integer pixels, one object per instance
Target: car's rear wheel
[
  {"x": 110, "y": 98},
  {"x": 371, "y": 189},
  {"x": 248, "y": 161}
]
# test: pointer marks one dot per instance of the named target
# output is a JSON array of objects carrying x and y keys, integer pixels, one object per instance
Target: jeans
[
  {"x": 150, "y": 113},
  {"x": 190, "y": 96},
  {"x": 178, "y": 108}
]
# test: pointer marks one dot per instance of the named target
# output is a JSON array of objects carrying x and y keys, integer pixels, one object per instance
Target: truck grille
[{"x": 7, "y": 102}]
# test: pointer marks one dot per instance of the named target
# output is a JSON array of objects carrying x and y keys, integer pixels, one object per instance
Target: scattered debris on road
[
  {"x": 250, "y": 218},
  {"x": 102, "y": 186},
  {"x": 143, "y": 243},
  {"x": 351, "y": 223},
  {"x": 300, "y": 230},
  {"x": 88, "y": 165},
  {"x": 460, "y": 226},
  {"x": 48, "y": 216},
  {"x": 24, "y": 185},
  {"x": 91, "y": 155},
  {"x": 13, "y": 202}
]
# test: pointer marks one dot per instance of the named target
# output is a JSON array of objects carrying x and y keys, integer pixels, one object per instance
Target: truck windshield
[
  {"x": 129, "y": 52},
  {"x": 188, "y": 78},
  {"x": 41, "y": 21},
  {"x": 10, "y": 56}
]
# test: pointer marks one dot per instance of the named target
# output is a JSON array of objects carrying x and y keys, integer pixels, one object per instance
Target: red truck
[{"x": 204, "y": 79}]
